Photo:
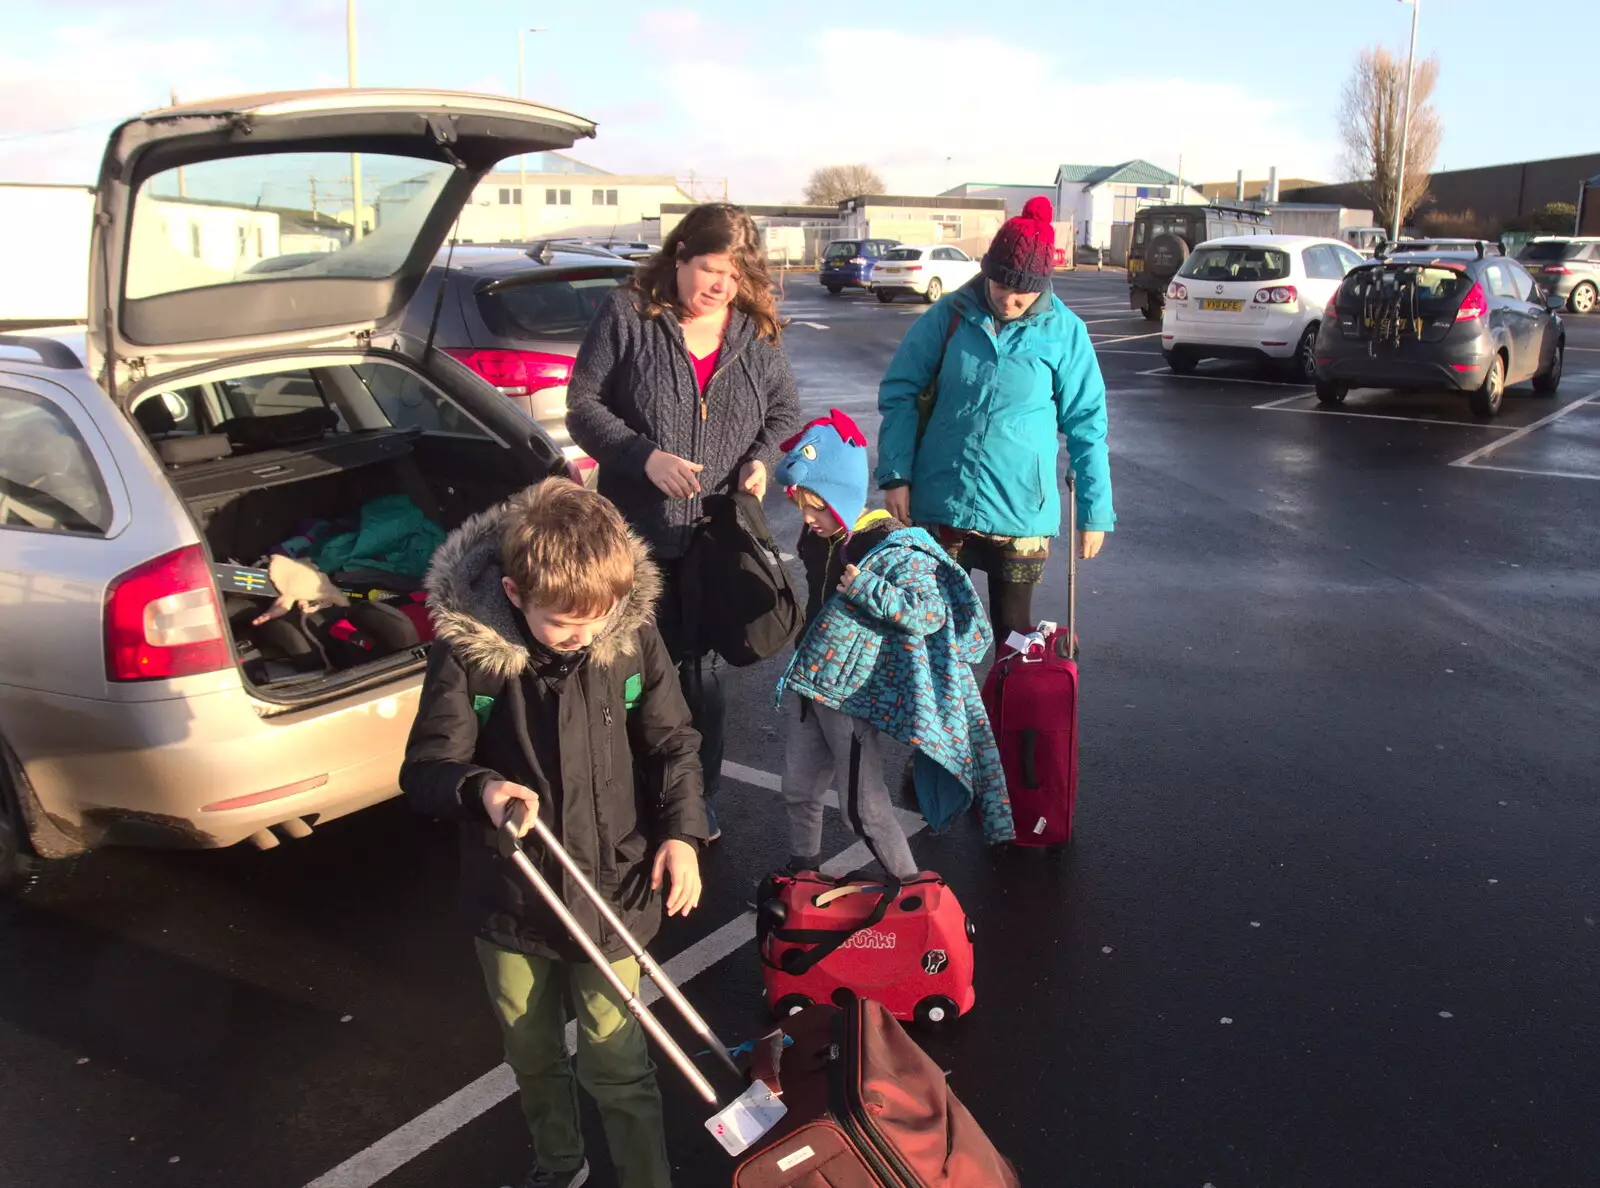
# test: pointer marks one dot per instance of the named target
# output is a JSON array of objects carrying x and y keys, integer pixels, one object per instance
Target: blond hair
[
  {"x": 566, "y": 548},
  {"x": 806, "y": 497}
]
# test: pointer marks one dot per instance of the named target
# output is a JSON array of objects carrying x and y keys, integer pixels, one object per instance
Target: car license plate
[{"x": 1219, "y": 303}]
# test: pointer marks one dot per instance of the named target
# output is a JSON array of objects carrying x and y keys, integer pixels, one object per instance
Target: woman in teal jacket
[{"x": 1015, "y": 368}]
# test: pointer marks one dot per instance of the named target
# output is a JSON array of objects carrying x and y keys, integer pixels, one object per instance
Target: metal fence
[{"x": 797, "y": 243}]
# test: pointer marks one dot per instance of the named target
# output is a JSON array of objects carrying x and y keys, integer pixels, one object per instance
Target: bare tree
[
  {"x": 1371, "y": 116},
  {"x": 832, "y": 184}
]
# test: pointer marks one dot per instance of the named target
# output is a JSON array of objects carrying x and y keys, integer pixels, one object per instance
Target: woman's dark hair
[{"x": 710, "y": 230}]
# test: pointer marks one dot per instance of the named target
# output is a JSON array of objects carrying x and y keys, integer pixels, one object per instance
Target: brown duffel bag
[{"x": 866, "y": 1108}]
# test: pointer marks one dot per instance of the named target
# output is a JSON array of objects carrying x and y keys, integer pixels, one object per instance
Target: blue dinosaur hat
[{"x": 829, "y": 457}]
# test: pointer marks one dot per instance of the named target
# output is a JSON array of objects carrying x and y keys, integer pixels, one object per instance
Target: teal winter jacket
[
  {"x": 896, "y": 650},
  {"x": 988, "y": 462}
]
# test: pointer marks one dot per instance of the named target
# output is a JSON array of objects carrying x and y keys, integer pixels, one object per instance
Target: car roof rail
[
  {"x": 51, "y": 353},
  {"x": 544, "y": 249}
]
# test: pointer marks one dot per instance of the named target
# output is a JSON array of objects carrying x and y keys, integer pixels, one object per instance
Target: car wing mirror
[{"x": 1554, "y": 302}]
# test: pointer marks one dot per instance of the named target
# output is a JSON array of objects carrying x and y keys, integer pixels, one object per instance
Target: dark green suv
[{"x": 1163, "y": 237}]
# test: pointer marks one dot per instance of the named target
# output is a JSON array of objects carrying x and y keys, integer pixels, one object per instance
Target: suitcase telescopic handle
[
  {"x": 1072, "y": 563},
  {"x": 510, "y": 845}
]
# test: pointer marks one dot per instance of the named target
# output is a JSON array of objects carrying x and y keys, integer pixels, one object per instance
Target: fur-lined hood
[{"x": 473, "y": 616}]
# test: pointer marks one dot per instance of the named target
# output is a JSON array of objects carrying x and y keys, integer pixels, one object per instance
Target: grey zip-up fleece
[{"x": 634, "y": 391}]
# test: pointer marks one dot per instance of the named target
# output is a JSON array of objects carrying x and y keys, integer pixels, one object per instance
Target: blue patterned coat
[{"x": 896, "y": 650}]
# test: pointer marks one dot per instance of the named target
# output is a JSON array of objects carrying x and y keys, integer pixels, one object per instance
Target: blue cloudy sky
[{"x": 762, "y": 94}]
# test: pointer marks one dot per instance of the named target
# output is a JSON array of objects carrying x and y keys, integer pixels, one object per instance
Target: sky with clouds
[{"x": 931, "y": 93}]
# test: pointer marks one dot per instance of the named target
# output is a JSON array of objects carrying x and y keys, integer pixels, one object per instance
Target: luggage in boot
[
  {"x": 865, "y": 1108},
  {"x": 906, "y": 944}
]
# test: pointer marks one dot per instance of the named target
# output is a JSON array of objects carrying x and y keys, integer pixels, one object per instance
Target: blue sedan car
[{"x": 847, "y": 263}]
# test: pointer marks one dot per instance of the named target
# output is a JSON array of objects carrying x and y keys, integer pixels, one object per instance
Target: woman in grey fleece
[{"x": 681, "y": 387}]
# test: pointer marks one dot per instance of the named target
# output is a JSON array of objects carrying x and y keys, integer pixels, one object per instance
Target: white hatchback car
[
  {"x": 929, "y": 270},
  {"x": 1255, "y": 297}
]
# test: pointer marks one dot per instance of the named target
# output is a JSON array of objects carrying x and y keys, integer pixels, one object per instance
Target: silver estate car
[{"x": 214, "y": 413}]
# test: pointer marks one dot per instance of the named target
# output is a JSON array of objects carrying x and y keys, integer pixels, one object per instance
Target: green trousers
[{"x": 613, "y": 1062}]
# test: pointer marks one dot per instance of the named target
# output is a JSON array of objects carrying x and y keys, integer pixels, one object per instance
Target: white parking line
[
  {"x": 1225, "y": 379},
  {"x": 813, "y": 325},
  {"x": 1127, "y": 337},
  {"x": 1277, "y": 406},
  {"x": 1123, "y": 351},
  {"x": 1518, "y": 435},
  {"x": 399, "y": 1147}
]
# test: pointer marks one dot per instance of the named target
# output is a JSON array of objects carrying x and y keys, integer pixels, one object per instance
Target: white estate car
[
  {"x": 930, "y": 270},
  {"x": 1253, "y": 297}
]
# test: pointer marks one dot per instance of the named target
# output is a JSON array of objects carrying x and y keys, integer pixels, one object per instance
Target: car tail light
[
  {"x": 1473, "y": 305},
  {"x": 162, "y": 620},
  {"x": 913, "y": 267},
  {"x": 1277, "y": 295},
  {"x": 1331, "y": 310},
  {"x": 1557, "y": 270},
  {"x": 516, "y": 373},
  {"x": 1177, "y": 292},
  {"x": 859, "y": 260}
]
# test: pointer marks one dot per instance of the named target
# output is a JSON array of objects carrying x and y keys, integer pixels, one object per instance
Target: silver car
[
  {"x": 215, "y": 414},
  {"x": 1565, "y": 267}
]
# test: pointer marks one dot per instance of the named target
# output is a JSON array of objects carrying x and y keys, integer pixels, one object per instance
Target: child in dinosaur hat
[{"x": 824, "y": 472}]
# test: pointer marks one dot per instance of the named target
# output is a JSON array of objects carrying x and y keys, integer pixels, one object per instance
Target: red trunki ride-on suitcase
[
  {"x": 905, "y": 944},
  {"x": 1032, "y": 700},
  {"x": 835, "y": 1098}
]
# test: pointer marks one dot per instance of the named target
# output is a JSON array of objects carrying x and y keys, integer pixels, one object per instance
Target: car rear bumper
[
  {"x": 208, "y": 771},
  {"x": 895, "y": 284},
  {"x": 1460, "y": 370},
  {"x": 1275, "y": 337},
  {"x": 848, "y": 280}
]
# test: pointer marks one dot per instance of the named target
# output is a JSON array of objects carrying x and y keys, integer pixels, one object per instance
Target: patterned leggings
[{"x": 1014, "y": 565}]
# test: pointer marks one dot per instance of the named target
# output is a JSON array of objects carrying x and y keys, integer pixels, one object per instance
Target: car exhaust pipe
[
  {"x": 294, "y": 828},
  {"x": 264, "y": 839}
]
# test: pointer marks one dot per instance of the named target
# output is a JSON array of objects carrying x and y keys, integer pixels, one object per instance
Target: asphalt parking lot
[{"x": 1332, "y": 917}]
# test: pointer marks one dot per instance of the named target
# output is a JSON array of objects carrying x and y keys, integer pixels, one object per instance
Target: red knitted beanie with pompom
[{"x": 1023, "y": 254}]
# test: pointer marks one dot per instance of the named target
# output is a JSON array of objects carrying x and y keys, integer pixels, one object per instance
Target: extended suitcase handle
[
  {"x": 1072, "y": 564},
  {"x": 511, "y": 846}
]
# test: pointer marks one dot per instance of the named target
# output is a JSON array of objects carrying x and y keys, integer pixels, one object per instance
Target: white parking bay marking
[
  {"x": 1469, "y": 460},
  {"x": 1127, "y": 338},
  {"x": 813, "y": 325},
  {"x": 1168, "y": 373},
  {"x": 399, "y": 1147}
]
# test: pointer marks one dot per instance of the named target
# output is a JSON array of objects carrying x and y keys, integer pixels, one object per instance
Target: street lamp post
[
  {"x": 522, "y": 158},
  {"x": 355, "y": 158},
  {"x": 1405, "y": 126}
]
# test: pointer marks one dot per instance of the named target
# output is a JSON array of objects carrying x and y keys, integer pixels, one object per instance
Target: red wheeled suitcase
[
  {"x": 906, "y": 944},
  {"x": 1032, "y": 700},
  {"x": 865, "y": 1108}
]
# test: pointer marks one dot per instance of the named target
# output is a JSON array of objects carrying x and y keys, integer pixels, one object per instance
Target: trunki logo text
[{"x": 870, "y": 938}]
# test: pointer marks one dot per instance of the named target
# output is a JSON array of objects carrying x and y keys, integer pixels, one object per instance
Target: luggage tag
[
  {"x": 744, "y": 1120},
  {"x": 758, "y": 1109},
  {"x": 1030, "y": 647}
]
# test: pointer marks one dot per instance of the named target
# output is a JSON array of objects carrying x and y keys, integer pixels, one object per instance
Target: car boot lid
[{"x": 228, "y": 228}]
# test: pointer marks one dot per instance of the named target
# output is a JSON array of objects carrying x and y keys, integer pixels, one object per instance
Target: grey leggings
[{"x": 820, "y": 744}]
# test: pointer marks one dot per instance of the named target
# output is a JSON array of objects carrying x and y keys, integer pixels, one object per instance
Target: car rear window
[
  {"x": 903, "y": 254},
  {"x": 1236, "y": 264},
  {"x": 844, "y": 250},
  {"x": 1542, "y": 252},
  {"x": 541, "y": 305},
  {"x": 1434, "y": 289}
]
